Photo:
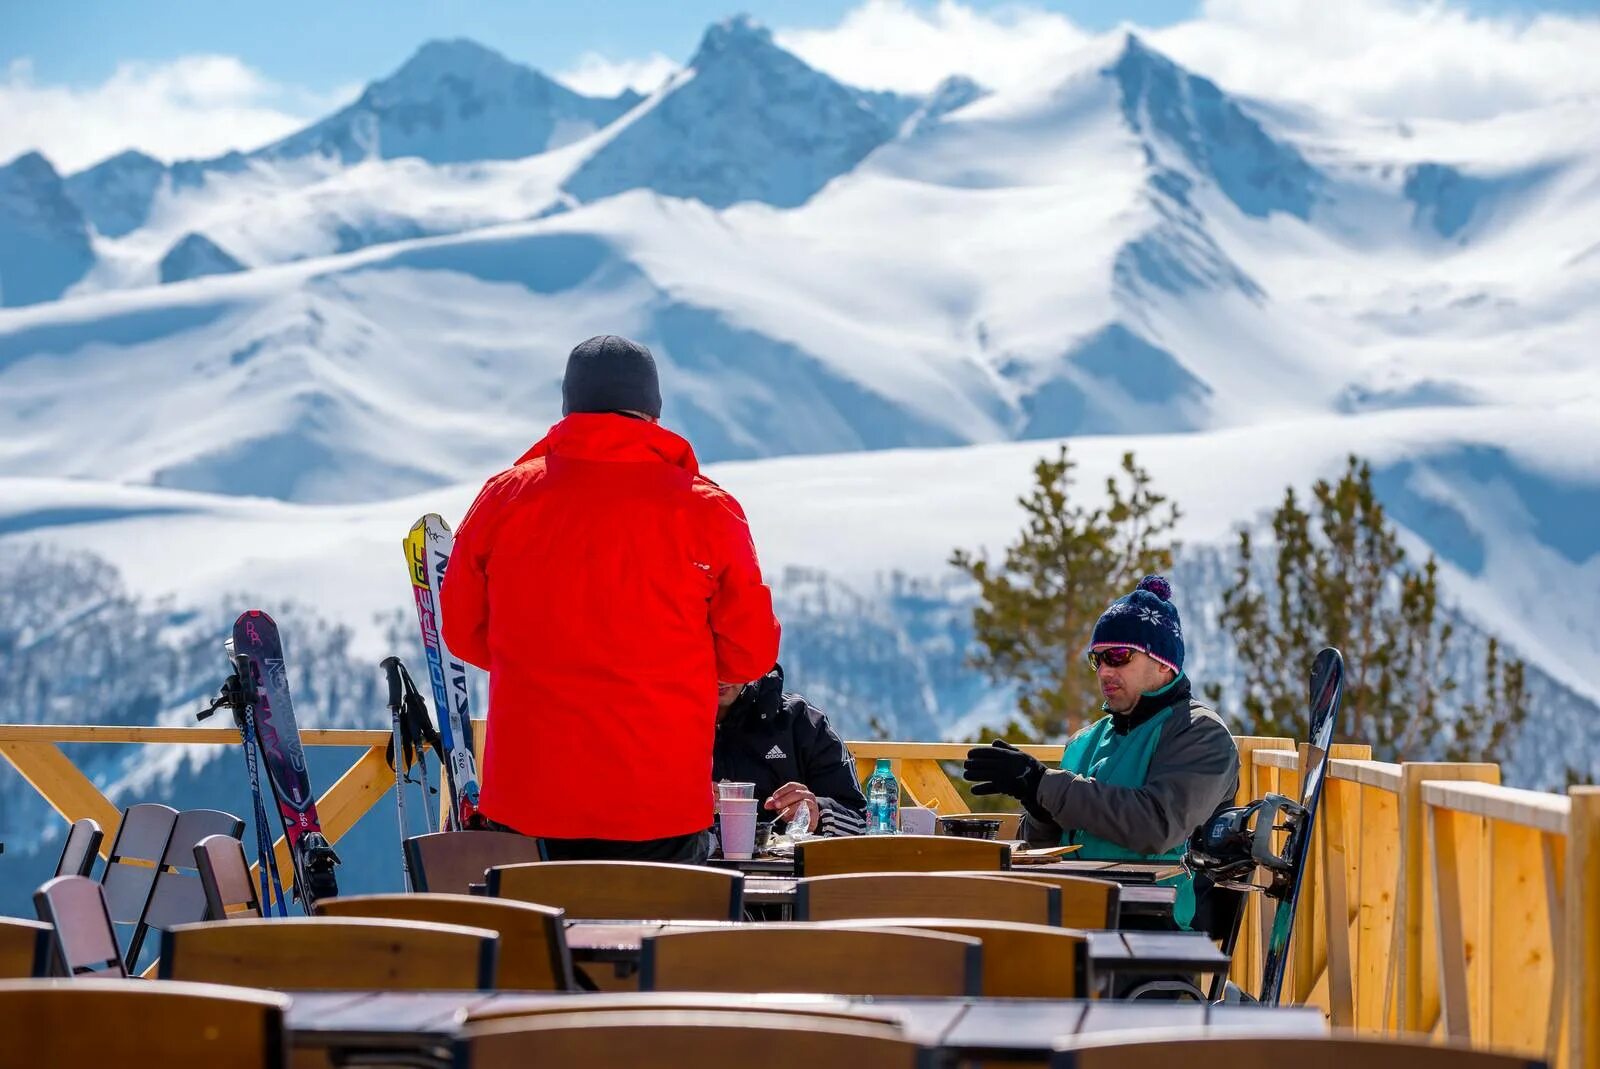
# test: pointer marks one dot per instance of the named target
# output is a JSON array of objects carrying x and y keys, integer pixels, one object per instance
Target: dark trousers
[{"x": 691, "y": 849}]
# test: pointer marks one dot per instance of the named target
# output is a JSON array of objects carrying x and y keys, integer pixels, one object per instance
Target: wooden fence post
[{"x": 1583, "y": 929}]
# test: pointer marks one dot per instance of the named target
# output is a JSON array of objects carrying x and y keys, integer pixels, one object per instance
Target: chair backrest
[
  {"x": 605, "y": 1039},
  {"x": 624, "y": 890},
  {"x": 926, "y": 894},
  {"x": 1340, "y": 1051},
  {"x": 327, "y": 954},
  {"x": 225, "y": 878},
  {"x": 805, "y": 958},
  {"x": 140, "y": 1025},
  {"x": 1085, "y": 902},
  {"x": 448, "y": 861},
  {"x": 136, "y": 853},
  {"x": 533, "y": 940},
  {"x": 24, "y": 948},
  {"x": 84, "y": 941},
  {"x": 178, "y": 896},
  {"x": 78, "y": 852},
  {"x": 899, "y": 853},
  {"x": 805, "y": 1005},
  {"x": 1019, "y": 960}
]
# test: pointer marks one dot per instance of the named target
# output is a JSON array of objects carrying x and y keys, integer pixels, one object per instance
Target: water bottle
[{"x": 883, "y": 800}]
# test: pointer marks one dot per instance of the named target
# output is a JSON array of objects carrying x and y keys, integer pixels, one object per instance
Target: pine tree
[
  {"x": 1341, "y": 578},
  {"x": 1038, "y": 605}
]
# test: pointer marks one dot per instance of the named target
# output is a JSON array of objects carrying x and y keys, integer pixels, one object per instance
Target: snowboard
[
  {"x": 257, "y": 645},
  {"x": 1299, "y": 821},
  {"x": 427, "y": 549}
]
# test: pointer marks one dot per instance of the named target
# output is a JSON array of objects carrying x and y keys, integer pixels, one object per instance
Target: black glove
[{"x": 1001, "y": 768}]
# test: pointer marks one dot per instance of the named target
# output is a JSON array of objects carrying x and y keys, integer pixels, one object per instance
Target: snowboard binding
[
  {"x": 318, "y": 861},
  {"x": 1229, "y": 847}
]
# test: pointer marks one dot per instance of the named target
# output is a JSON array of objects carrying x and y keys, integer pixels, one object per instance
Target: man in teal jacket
[{"x": 1136, "y": 782}]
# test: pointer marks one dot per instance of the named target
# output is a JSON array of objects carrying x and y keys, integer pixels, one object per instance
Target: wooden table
[
  {"x": 1138, "y": 899},
  {"x": 428, "y": 1021},
  {"x": 1111, "y": 953}
]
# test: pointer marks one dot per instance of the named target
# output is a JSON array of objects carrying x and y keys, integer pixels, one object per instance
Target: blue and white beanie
[{"x": 1146, "y": 620}]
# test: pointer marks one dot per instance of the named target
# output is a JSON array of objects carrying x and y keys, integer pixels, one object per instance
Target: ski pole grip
[{"x": 391, "y": 667}]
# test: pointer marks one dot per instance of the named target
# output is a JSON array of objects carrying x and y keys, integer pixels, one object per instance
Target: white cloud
[
  {"x": 894, "y": 44},
  {"x": 1390, "y": 59},
  {"x": 595, "y": 75},
  {"x": 194, "y": 106}
]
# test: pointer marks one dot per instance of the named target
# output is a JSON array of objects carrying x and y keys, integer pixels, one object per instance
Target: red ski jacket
[{"x": 607, "y": 586}]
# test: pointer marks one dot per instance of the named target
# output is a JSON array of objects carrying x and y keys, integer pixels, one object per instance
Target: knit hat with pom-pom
[{"x": 1147, "y": 620}]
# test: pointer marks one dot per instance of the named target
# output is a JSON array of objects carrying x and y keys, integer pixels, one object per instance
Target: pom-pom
[{"x": 1158, "y": 586}]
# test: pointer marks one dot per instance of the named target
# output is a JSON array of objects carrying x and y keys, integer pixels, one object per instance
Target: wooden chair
[
  {"x": 178, "y": 896},
  {"x": 806, "y": 958},
  {"x": 133, "y": 1024},
  {"x": 1019, "y": 960},
  {"x": 533, "y": 940},
  {"x": 1085, "y": 902},
  {"x": 932, "y": 894},
  {"x": 225, "y": 878},
  {"x": 625, "y": 1040},
  {"x": 323, "y": 954},
  {"x": 1339, "y": 1051},
  {"x": 24, "y": 948},
  {"x": 624, "y": 890},
  {"x": 899, "y": 853},
  {"x": 78, "y": 852},
  {"x": 447, "y": 861},
  {"x": 84, "y": 941},
  {"x": 129, "y": 875}
]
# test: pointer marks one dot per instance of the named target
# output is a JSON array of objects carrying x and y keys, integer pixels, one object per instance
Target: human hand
[
  {"x": 1001, "y": 768},
  {"x": 786, "y": 798}
]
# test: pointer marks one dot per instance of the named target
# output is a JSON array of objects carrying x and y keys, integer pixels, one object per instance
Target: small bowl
[{"x": 970, "y": 827}]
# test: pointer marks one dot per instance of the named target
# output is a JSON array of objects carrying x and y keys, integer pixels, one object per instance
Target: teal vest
[{"x": 1100, "y": 754}]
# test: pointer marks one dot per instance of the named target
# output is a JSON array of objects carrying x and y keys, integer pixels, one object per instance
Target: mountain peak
[
  {"x": 737, "y": 34},
  {"x": 1172, "y": 109},
  {"x": 458, "y": 57},
  {"x": 32, "y": 169}
]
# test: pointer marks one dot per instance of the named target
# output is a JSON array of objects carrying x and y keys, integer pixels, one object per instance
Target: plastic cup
[
  {"x": 916, "y": 820},
  {"x": 731, "y": 789},
  {"x": 738, "y": 828}
]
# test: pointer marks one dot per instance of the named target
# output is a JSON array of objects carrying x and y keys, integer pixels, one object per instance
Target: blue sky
[
  {"x": 323, "y": 44},
  {"x": 82, "y": 80}
]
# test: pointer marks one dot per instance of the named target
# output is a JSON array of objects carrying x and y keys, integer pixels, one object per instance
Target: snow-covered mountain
[{"x": 872, "y": 315}]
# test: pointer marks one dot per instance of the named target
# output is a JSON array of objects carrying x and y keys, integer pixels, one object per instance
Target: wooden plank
[
  {"x": 1380, "y": 774},
  {"x": 69, "y": 791},
  {"x": 1310, "y": 930},
  {"x": 1247, "y": 951},
  {"x": 869, "y": 750},
  {"x": 1554, "y": 850},
  {"x": 1377, "y": 880},
  {"x": 1417, "y": 979},
  {"x": 1519, "y": 948},
  {"x": 1448, "y": 878},
  {"x": 1341, "y": 804},
  {"x": 929, "y": 785},
  {"x": 195, "y": 736},
  {"x": 1582, "y": 941},
  {"x": 1512, "y": 805}
]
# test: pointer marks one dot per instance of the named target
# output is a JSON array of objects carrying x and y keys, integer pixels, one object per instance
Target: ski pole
[{"x": 391, "y": 668}]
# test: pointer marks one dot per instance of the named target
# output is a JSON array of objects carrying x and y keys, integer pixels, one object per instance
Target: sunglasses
[{"x": 1111, "y": 656}]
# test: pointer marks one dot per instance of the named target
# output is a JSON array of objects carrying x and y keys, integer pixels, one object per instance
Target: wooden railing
[{"x": 1437, "y": 901}]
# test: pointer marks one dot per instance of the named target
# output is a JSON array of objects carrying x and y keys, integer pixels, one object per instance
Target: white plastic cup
[
  {"x": 916, "y": 820},
  {"x": 731, "y": 789},
  {"x": 738, "y": 828}
]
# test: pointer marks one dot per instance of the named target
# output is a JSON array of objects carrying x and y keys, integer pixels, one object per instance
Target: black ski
[{"x": 265, "y": 685}]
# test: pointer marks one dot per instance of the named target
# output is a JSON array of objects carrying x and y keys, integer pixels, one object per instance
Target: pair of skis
[
  {"x": 257, "y": 692},
  {"x": 1237, "y": 842}
]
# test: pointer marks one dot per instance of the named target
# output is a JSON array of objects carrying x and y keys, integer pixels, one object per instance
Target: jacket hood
[
  {"x": 612, "y": 437},
  {"x": 764, "y": 697}
]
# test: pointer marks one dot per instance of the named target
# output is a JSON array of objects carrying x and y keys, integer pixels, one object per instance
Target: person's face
[
  {"x": 727, "y": 694},
  {"x": 1122, "y": 684}
]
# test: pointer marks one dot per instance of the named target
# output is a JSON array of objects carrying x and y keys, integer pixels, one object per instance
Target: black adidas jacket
[{"x": 770, "y": 738}]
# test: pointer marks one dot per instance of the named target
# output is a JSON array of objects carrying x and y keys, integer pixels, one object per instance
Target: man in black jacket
[{"x": 784, "y": 745}]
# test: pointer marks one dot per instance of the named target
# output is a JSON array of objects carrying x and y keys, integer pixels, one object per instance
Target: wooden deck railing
[{"x": 1437, "y": 902}]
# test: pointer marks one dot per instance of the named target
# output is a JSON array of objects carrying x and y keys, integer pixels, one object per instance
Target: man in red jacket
[{"x": 607, "y": 586}]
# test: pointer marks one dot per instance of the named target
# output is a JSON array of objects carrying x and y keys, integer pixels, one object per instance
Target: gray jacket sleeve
[{"x": 1193, "y": 771}]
